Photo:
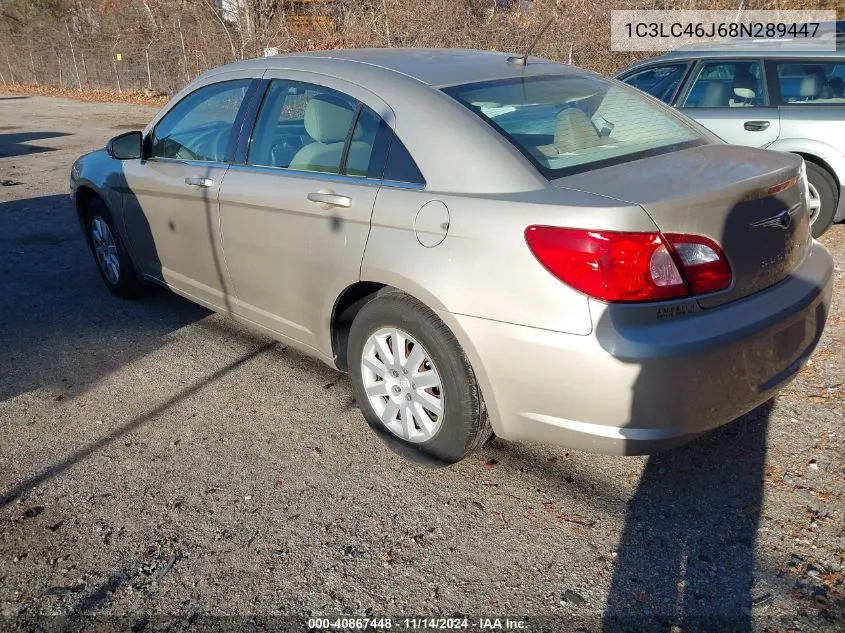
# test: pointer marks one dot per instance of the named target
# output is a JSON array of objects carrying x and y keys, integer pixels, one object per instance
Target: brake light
[{"x": 619, "y": 266}]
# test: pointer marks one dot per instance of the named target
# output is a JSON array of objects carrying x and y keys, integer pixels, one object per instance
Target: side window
[
  {"x": 200, "y": 126},
  {"x": 302, "y": 126},
  {"x": 733, "y": 84},
  {"x": 661, "y": 81},
  {"x": 366, "y": 156},
  {"x": 811, "y": 82},
  {"x": 400, "y": 165}
]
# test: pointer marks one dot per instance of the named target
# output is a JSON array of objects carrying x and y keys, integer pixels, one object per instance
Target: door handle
[
  {"x": 756, "y": 126},
  {"x": 199, "y": 181},
  {"x": 326, "y": 200}
]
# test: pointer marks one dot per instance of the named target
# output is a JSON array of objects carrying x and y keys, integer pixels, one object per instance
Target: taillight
[
  {"x": 625, "y": 266},
  {"x": 702, "y": 261}
]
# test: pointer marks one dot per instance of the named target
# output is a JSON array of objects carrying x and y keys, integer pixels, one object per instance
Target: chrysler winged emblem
[{"x": 781, "y": 220}]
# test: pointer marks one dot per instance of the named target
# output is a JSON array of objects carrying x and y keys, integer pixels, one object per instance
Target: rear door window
[
  {"x": 730, "y": 84},
  {"x": 307, "y": 127},
  {"x": 302, "y": 126},
  {"x": 811, "y": 82}
]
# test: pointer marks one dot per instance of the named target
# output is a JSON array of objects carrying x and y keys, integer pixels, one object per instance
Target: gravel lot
[{"x": 165, "y": 469}]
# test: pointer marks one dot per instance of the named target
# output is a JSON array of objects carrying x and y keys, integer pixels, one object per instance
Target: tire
[
  {"x": 463, "y": 425},
  {"x": 118, "y": 272},
  {"x": 823, "y": 186}
]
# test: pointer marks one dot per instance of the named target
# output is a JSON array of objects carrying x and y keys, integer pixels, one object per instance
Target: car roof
[
  {"x": 694, "y": 53},
  {"x": 436, "y": 67},
  {"x": 760, "y": 51}
]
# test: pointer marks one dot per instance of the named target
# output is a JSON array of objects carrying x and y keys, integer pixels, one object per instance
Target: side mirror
[{"x": 125, "y": 146}]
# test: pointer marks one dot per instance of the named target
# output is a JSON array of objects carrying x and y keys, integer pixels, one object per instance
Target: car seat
[
  {"x": 715, "y": 95},
  {"x": 811, "y": 87},
  {"x": 327, "y": 121}
]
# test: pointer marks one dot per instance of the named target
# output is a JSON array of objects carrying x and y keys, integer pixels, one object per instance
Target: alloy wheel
[{"x": 105, "y": 249}]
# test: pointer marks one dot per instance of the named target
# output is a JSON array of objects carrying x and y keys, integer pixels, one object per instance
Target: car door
[
  {"x": 295, "y": 215},
  {"x": 729, "y": 98},
  {"x": 170, "y": 204}
]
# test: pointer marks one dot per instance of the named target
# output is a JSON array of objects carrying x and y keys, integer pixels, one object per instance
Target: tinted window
[
  {"x": 811, "y": 82},
  {"x": 726, "y": 85},
  {"x": 199, "y": 127},
  {"x": 400, "y": 166},
  {"x": 572, "y": 123},
  {"x": 661, "y": 82}
]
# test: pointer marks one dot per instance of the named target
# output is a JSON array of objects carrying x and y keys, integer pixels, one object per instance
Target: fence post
[
  {"x": 116, "y": 74},
  {"x": 32, "y": 63},
  {"x": 184, "y": 54},
  {"x": 84, "y": 68},
  {"x": 386, "y": 23},
  {"x": 73, "y": 54},
  {"x": 11, "y": 72},
  {"x": 61, "y": 75},
  {"x": 114, "y": 64},
  {"x": 149, "y": 74}
]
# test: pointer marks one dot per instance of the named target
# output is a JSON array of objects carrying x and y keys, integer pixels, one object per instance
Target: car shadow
[
  {"x": 60, "y": 328},
  {"x": 17, "y": 144},
  {"x": 686, "y": 556}
]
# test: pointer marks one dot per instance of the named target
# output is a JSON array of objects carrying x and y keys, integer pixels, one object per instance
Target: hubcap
[
  {"x": 402, "y": 384},
  {"x": 814, "y": 203},
  {"x": 105, "y": 249}
]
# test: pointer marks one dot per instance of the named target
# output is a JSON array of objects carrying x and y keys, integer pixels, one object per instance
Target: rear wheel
[
  {"x": 412, "y": 379},
  {"x": 110, "y": 254},
  {"x": 823, "y": 198}
]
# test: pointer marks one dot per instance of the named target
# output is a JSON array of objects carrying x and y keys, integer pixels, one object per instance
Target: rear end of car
[{"x": 698, "y": 315}]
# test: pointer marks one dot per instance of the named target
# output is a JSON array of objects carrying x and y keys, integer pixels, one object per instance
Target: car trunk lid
[{"x": 752, "y": 203}]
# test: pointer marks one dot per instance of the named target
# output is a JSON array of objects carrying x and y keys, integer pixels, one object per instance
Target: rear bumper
[{"x": 636, "y": 388}]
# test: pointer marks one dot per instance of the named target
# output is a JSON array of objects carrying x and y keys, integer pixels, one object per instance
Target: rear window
[{"x": 567, "y": 124}]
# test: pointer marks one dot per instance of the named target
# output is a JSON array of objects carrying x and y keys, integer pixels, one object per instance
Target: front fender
[{"x": 99, "y": 174}]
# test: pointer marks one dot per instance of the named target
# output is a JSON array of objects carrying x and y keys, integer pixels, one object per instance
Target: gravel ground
[{"x": 162, "y": 468}]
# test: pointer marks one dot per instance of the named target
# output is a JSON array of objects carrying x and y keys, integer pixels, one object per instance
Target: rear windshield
[{"x": 567, "y": 124}]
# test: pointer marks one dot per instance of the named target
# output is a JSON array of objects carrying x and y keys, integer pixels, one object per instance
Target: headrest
[
  {"x": 811, "y": 85},
  {"x": 327, "y": 119},
  {"x": 745, "y": 86}
]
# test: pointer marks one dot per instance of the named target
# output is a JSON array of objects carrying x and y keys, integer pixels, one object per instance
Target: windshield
[{"x": 567, "y": 124}]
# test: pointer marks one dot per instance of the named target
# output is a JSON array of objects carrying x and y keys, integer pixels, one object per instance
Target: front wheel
[
  {"x": 412, "y": 379},
  {"x": 823, "y": 198},
  {"x": 110, "y": 254}
]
